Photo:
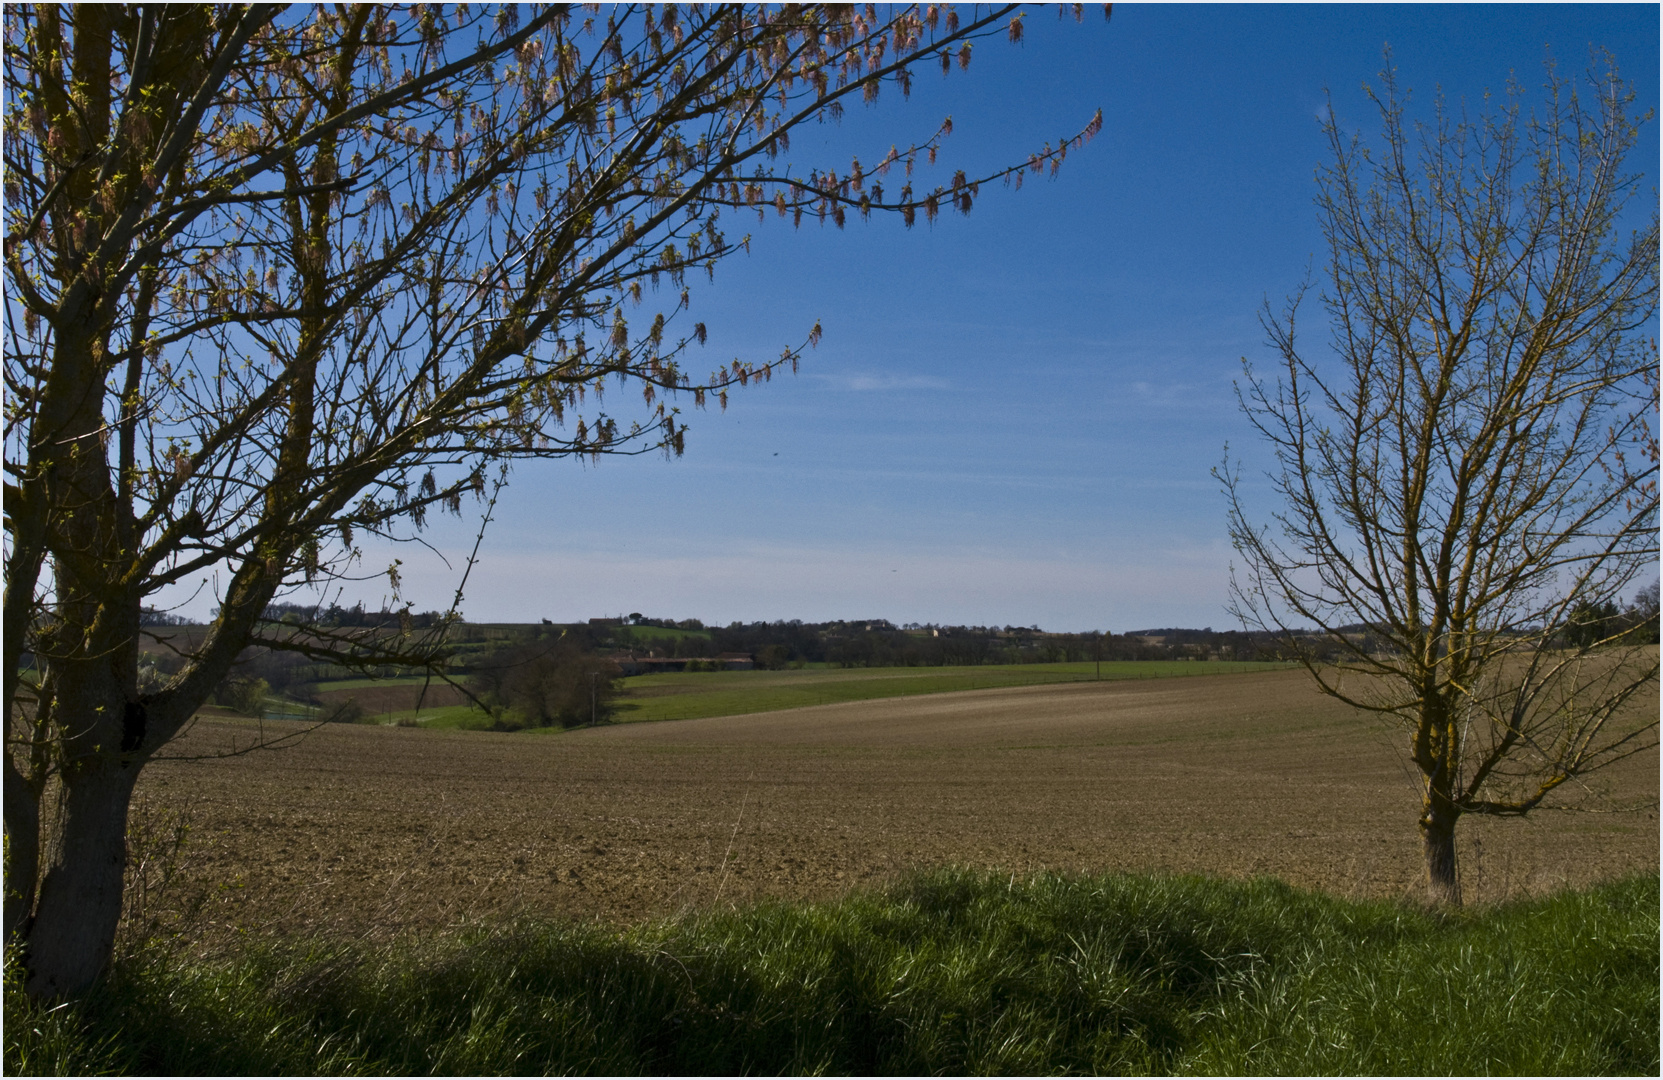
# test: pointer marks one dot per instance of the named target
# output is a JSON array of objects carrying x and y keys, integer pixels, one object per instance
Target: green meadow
[
  {"x": 690, "y": 695},
  {"x": 694, "y": 694},
  {"x": 953, "y": 971}
]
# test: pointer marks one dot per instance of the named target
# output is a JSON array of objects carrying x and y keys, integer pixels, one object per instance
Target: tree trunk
[
  {"x": 79, "y": 904},
  {"x": 22, "y": 813},
  {"x": 1443, "y": 883}
]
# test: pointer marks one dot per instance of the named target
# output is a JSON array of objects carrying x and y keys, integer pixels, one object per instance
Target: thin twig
[{"x": 723, "y": 883}]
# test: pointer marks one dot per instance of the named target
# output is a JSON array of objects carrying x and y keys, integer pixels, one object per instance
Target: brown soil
[
  {"x": 378, "y": 700},
  {"x": 370, "y": 830}
]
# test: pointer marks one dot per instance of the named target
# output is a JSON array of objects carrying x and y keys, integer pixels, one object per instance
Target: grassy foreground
[{"x": 952, "y": 971}]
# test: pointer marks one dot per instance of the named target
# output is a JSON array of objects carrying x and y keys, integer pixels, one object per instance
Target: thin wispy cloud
[{"x": 883, "y": 382}]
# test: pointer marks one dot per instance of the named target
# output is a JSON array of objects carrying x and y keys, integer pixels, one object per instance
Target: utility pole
[{"x": 593, "y": 675}]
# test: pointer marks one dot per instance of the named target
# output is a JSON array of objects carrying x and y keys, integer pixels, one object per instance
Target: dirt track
[{"x": 374, "y": 829}]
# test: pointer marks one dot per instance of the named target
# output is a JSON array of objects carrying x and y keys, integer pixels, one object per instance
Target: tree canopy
[
  {"x": 280, "y": 278},
  {"x": 1470, "y": 466}
]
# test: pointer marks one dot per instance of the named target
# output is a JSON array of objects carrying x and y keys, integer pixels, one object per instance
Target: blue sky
[{"x": 1012, "y": 416}]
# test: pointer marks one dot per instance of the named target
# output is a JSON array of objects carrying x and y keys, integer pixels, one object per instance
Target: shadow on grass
[{"x": 953, "y": 971}]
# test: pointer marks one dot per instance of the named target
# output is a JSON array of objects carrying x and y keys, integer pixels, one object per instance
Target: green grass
[
  {"x": 445, "y": 716},
  {"x": 664, "y": 633},
  {"x": 689, "y": 695},
  {"x": 947, "y": 972}
]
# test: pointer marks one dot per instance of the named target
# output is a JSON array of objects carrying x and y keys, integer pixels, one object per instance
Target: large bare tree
[
  {"x": 1472, "y": 457},
  {"x": 281, "y": 278}
]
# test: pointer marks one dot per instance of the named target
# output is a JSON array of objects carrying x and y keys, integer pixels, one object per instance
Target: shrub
[
  {"x": 350, "y": 711},
  {"x": 244, "y": 694},
  {"x": 548, "y": 683}
]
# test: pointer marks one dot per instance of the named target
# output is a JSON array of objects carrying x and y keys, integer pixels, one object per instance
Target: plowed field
[
  {"x": 371, "y": 830},
  {"x": 380, "y": 699}
]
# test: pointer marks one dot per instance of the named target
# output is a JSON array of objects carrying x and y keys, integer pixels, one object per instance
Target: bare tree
[
  {"x": 547, "y": 682},
  {"x": 281, "y": 278},
  {"x": 1473, "y": 459}
]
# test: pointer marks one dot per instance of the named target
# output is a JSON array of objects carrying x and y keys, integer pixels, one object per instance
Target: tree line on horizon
[
  {"x": 881, "y": 643},
  {"x": 783, "y": 643}
]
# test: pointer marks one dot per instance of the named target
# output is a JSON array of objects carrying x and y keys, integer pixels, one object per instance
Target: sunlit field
[
  {"x": 973, "y": 881},
  {"x": 377, "y": 829}
]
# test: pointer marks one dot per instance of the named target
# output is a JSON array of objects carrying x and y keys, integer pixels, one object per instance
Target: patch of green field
[
  {"x": 661, "y": 633},
  {"x": 690, "y": 695},
  {"x": 953, "y": 972},
  {"x": 445, "y": 716}
]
